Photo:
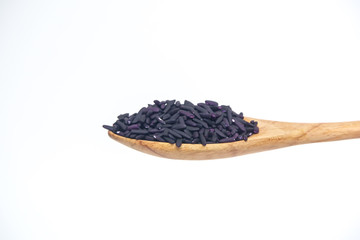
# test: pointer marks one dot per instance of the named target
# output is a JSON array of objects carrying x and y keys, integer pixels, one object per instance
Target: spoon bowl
[{"x": 272, "y": 135}]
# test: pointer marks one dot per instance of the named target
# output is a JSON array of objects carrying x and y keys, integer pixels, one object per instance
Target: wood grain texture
[{"x": 272, "y": 135}]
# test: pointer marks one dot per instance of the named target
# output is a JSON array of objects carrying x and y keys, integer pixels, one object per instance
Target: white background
[{"x": 68, "y": 67}]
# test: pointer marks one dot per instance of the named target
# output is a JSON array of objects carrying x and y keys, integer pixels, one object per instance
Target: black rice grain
[
  {"x": 211, "y": 103},
  {"x": 175, "y": 134},
  {"x": 186, "y": 113},
  {"x": 168, "y": 106},
  {"x": 220, "y": 133},
  {"x": 213, "y": 138},
  {"x": 191, "y": 123},
  {"x": 160, "y": 120},
  {"x": 183, "y": 134},
  {"x": 122, "y": 116},
  {"x": 192, "y": 128},
  {"x": 204, "y": 124},
  {"x": 200, "y": 109},
  {"x": 208, "y": 109},
  {"x": 121, "y": 125},
  {"x": 206, "y": 133},
  {"x": 202, "y": 139},
  {"x": 178, "y": 142},
  {"x": 155, "y": 130},
  {"x": 188, "y": 103},
  {"x": 134, "y": 126},
  {"x": 110, "y": 128},
  {"x": 139, "y": 131},
  {"x": 179, "y": 126},
  {"x": 170, "y": 140},
  {"x": 187, "y": 132},
  {"x": 219, "y": 119},
  {"x": 172, "y": 122}
]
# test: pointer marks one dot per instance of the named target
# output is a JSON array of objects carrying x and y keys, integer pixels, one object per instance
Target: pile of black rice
[{"x": 173, "y": 122}]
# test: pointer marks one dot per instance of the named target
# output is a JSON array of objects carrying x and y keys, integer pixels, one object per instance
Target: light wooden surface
[{"x": 272, "y": 135}]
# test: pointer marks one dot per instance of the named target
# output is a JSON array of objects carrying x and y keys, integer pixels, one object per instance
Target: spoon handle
[{"x": 323, "y": 132}]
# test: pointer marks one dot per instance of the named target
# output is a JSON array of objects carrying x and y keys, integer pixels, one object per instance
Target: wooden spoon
[{"x": 272, "y": 135}]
